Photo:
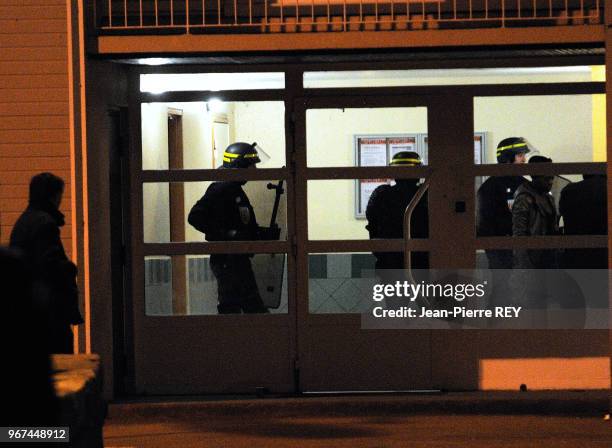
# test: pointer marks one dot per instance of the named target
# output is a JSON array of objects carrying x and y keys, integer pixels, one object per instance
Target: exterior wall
[{"x": 34, "y": 104}]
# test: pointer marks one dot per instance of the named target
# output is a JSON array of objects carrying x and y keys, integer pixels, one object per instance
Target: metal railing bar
[
  {"x": 361, "y": 11},
  {"x": 550, "y": 8},
  {"x": 312, "y": 12},
  {"x": 408, "y": 10},
  {"x": 407, "y": 225},
  {"x": 187, "y": 18},
  {"x": 469, "y": 14},
  {"x": 234, "y": 25}
]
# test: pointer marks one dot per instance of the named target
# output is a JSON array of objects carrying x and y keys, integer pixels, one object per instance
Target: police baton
[{"x": 279, "y": 192}]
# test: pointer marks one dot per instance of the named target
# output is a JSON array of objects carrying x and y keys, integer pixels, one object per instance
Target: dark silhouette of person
[
  {"x": 584, "y": 208},
  {"x": 28, "y": 397},
  {"x": 494, "y": 199},
  {"x": 533, "y": 214},
  {"x": 385, "y": 215},
  {"x": 225, "y": 213},
  {"x": 36, "y": 235}
]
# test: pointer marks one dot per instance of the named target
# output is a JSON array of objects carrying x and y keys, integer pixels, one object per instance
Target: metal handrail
[
  {"x": 317, "y": 15},
  {"x": 407, "y": 230}
]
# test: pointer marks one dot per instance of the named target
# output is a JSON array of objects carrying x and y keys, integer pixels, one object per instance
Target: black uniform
[
  {"x": 385, "y": 214},
  {"x": 224, "y": 213},
  {"x": 494, "y": 215},
  {"x": 583, "y": 206}
]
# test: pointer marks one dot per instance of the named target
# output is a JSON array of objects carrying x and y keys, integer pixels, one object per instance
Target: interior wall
[
  {"x": 261, "y": 122},
  {"x": 330, "y": 137},
  {"x": 560, "y": 127}
]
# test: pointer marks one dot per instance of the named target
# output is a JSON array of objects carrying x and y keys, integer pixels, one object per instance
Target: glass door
[
  {"x": 213, "y": 303},
  {"x": 345, "y": 146}
]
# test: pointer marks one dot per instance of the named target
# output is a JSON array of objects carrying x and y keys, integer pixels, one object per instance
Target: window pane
[
  {"x": 338, "y": 209},
  {"x": 565, "y": 128},
  {"x": 363, "y": 137},
  {"x": 334, "y": 282},
  {"x": 194, "y": 135},
  {"x": 188, "y": 285},
  {"x": 511, "y": 75},
  {"x": 340, "y": 283},
  {"x": 167, "y": 208}
]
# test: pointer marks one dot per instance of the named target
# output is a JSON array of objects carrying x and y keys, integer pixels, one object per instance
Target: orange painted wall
[{"x": 34, "y": 122}]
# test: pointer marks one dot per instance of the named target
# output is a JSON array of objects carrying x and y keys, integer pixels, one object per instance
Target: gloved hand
[{"x": 269, "y": 233}]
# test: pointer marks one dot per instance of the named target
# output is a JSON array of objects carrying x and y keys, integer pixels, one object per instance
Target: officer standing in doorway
[
  {"x": 385, "y": 215},
  {"x": 225, "y": 213},
  {"x": 495, "y": 197}
]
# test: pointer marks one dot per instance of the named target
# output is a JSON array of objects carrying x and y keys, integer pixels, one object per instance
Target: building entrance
[{"x": 326, "y": 151}]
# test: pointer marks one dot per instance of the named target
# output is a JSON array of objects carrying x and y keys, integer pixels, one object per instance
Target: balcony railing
[{"x": 270, "y": 16}]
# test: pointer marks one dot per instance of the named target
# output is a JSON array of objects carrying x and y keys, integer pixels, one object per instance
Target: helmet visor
[
  {"x": 531, "y": 150},
  {"x": 263, "y": 155}
]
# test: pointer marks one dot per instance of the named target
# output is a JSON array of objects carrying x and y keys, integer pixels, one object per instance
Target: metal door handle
[{"x": 407, "y": 218}]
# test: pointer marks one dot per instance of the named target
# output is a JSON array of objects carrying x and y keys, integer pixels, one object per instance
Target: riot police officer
[
  {"x": 225, "y": 213},
  {"x": 385, "y": 215},
  {"x": 495, "y": 197}
]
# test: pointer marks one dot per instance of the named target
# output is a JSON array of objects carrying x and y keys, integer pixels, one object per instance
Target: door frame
[{"x": 147, "y": 356}]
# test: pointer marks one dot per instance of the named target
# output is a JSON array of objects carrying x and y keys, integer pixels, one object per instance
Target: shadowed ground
[{"x": 348, "y": 423}]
